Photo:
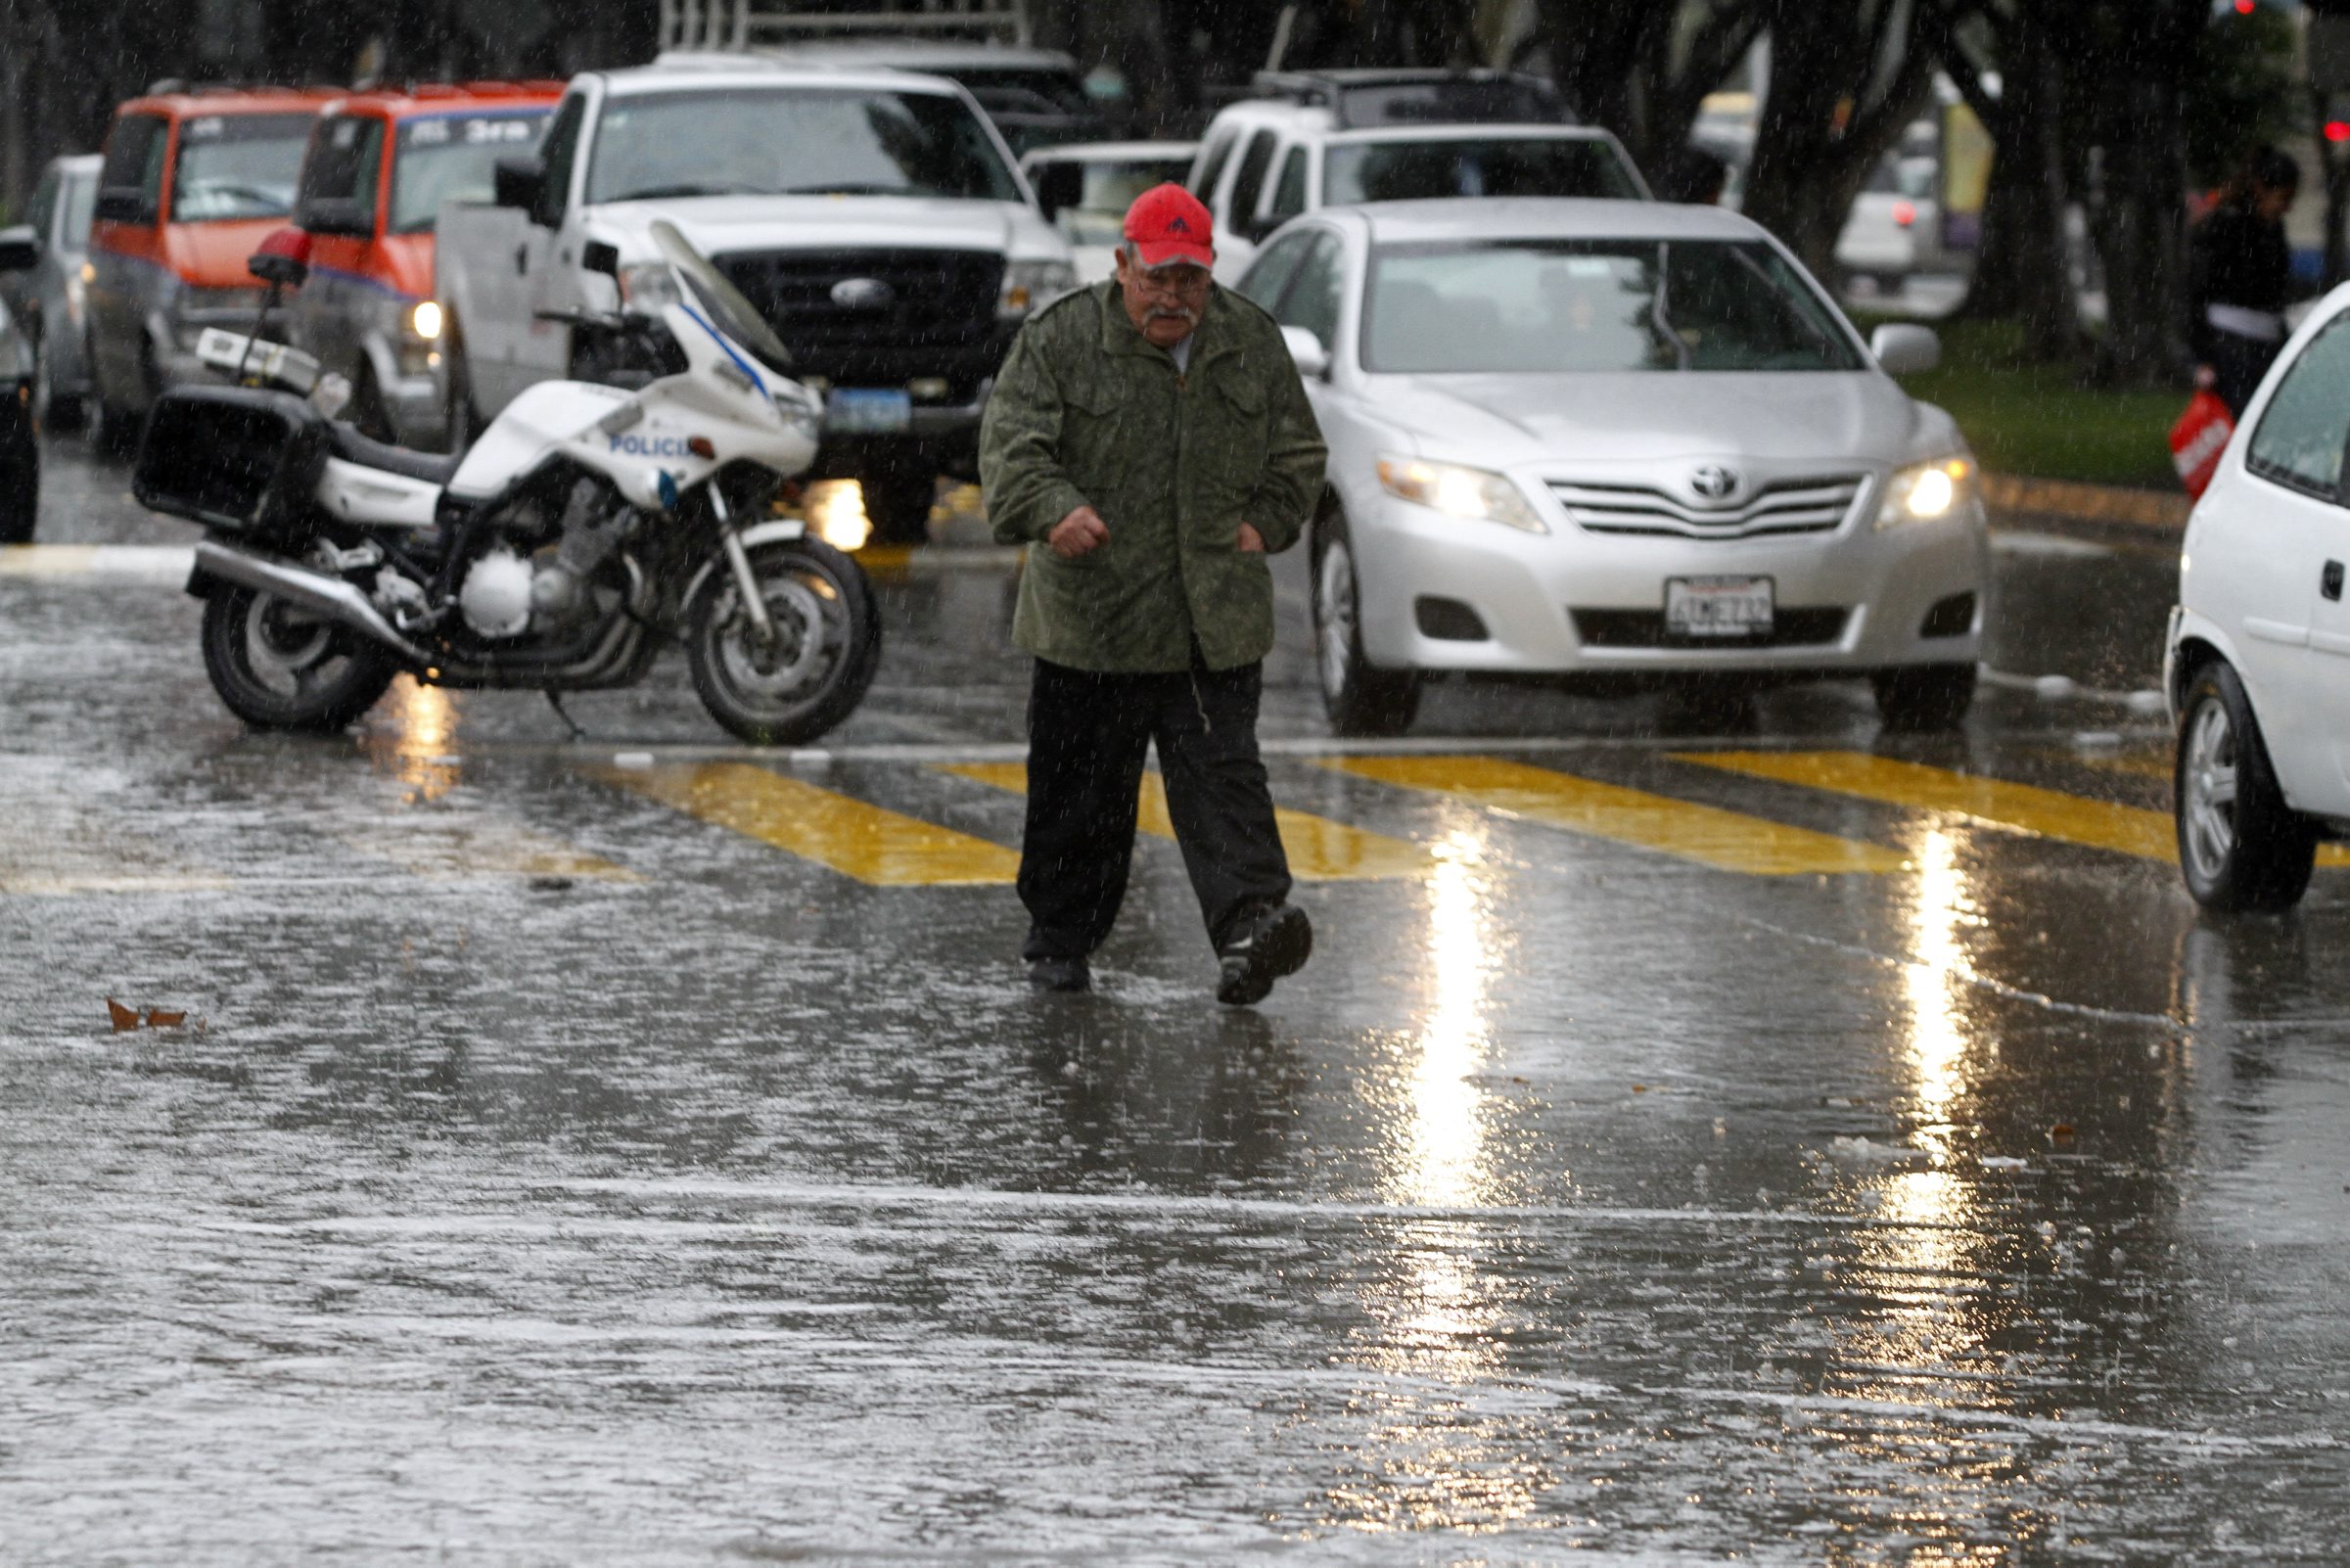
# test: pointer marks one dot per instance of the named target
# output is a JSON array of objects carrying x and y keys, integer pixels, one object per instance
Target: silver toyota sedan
[{"x": 1618, "y": 444}]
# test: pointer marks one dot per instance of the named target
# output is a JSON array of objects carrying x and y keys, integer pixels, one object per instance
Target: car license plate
[
  {"x": 1718, "y": 607},
  {"x": 868, "y": 411}
]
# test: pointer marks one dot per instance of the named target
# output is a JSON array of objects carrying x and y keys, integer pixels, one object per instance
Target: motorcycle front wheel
[
  {"x": 279, "y": 666},
  {"x": 815, "y": 667}
]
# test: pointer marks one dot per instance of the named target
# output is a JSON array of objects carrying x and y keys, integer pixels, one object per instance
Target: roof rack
[{"x": 1402, "y": 96}]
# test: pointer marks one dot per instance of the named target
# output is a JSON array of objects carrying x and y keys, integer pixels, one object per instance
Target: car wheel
[
  {"x": 1919, "y": 698},
  {"x": 899, "y": 501},
  {"x": 1360, "y": 698},
  {"x": 368, "y": 411},
  {"x": 2242, "y": 847},
  {"x": 51, "y": 410},
  {"x": 461, "y": 421}
]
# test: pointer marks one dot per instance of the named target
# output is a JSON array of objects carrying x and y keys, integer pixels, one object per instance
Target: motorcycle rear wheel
[
  {"x": 826, "y": 647},
  {"x": 279, "y": 666}
]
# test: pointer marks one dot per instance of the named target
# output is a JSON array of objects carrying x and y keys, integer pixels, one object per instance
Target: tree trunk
[
  {"x": 1822, "y": 127},
  {"x": 2023, "y": 267}
]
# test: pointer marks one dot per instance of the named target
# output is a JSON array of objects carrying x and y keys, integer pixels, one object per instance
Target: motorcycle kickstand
[{"x": 555, "y": 701}]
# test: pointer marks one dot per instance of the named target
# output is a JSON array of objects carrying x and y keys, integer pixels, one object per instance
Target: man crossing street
[{"x": 1149, "y": 439}]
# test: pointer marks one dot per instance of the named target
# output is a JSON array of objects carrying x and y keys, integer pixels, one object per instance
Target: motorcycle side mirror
[
  {"x": 601, "y": 255},
  {"x": 284, "y": 260}
]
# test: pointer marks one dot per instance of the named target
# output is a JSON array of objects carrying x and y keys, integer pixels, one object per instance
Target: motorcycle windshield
[{"x": 719, "y": 300}]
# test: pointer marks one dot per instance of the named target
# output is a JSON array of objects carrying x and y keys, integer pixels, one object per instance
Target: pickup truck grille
[
  {"x": 1813, "y": 505},
  {"x": 936, "y": 318}
]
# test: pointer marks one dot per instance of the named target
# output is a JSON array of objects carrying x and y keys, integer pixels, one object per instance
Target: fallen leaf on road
[
  {"x": 159, "y": 1018},
  {"x": 2062, "y": 1130},
  {"x": 126, "y": 1018}
]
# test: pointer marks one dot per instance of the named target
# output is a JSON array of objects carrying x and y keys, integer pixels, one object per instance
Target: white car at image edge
[
  {"x": 2257, "y": 663},
  {"x": 1545, "y": 464}
]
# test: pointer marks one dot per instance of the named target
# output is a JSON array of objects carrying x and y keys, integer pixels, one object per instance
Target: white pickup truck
[{"x": 874, "y": 217}]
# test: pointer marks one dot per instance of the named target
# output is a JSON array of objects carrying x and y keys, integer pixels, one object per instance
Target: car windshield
[
  {"x": 238, "y": 167},
  {"x": 1548, "y": 305},
  {"x": 1103, "y": 188},
  {"x": 453, "y": 157},
  {"x": 1485, "y": 166},
  {"x": 796, "y": 141}
]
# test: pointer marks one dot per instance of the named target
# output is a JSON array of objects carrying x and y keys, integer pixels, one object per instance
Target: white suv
[
  {"x": 2258, "y": 661},
  {"x": 1341, "y": 137}
]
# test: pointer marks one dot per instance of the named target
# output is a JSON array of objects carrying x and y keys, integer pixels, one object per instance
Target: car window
[
  {"x": 1498, "y": 165},
  {"x": 1250, "y": 181},
  {"x": 345, "y": 162},
  {"x": 1289, "y": 194},
  {"x": 42, "y": 209},
  {"x": 80, "y": 197},
  {"x": 234, "y": 167},
  {"x": 2306, "y": 425},
  {"x": 455, "y": 158},
  {"x": 1608, "y": 305},
  {"x": 1090, "y": 196},
  {"x": 1211, "y": 167},
  {"x": 135, "y": 161},
  {"x": 1267, "y": 277},
  {"x": 1313, "y": 299},
  {"x": 556, "y": 158}
]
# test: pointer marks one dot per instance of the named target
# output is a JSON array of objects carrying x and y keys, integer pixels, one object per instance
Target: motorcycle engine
[{"x": 506, "y": 594}]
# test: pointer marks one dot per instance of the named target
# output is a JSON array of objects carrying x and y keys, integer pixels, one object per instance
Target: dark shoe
[
  {"x": 1277, "y": 943},
  {"x": 1060, "y": 974}
]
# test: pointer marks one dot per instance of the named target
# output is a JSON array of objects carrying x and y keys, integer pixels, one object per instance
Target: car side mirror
[
  {"x": 601, "y": 255},
  {"x": 20, "y": 251},
  {"x": 518, "y": 182},
  {"x": 339, "y": 215},
  {"x": 1312, "y": 357},
  {"x": 122, "y": 203},
  {"x": 1058, "y": 188},
  {"x": 1906, "y": 350}
]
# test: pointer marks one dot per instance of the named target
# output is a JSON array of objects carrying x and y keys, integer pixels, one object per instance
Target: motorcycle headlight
[
  {"x": 802, "y": 410},
  {"x": 1923, "y": 492},
  {"x": 649, "y": 287},
  {"x": 1472, "y": 494},
  {"x": 1032, "y": 285}
]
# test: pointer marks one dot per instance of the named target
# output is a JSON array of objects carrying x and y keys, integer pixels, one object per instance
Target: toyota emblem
[
  {"x": 863, "y": 293},
  {"x": 1713, "y": 482}
]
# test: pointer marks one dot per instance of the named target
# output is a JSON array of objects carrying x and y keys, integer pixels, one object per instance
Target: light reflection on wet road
[{"x": 565, "y": 1172}]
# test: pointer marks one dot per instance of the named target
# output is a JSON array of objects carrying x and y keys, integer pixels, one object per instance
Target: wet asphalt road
[{"x": 1790, "y": 1143}]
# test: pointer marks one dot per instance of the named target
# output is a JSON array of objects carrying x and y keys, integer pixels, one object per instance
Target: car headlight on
[
  {"x": 1470, "y": 494},
  {"x": 1032, "y": 285},
  {"x": 1925, "y": 491},
  {"x": 423, "y": 320},
  {"x": 649, "y": 287}
]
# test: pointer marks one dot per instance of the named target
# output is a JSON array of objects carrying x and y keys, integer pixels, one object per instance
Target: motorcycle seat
[{"x": 352, "y": 448}]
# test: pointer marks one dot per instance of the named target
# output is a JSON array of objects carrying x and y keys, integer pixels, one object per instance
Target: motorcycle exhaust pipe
[{"x": 331, "y": 597}]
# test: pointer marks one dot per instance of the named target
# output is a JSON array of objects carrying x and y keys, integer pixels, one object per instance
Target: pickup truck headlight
[
  {"x": 649, "y": 287},
  {"x": 423, "y": 320},
  {"x": 1924, "y": 492},
  {"x": 1032, "y": 285},
  {"x": 1473, "y": 495}
]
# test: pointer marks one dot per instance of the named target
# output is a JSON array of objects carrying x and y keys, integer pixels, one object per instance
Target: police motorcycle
[{"x": 587, "y": 527}]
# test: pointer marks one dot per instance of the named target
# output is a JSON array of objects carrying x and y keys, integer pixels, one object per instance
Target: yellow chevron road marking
[
  {"x": 878, "y": 846},
  {"x": 1708, "y": 834}
]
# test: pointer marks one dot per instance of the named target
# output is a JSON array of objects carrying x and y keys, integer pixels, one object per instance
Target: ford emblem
[
  {"x": 864, "y": 293},
  {"x": 1710, "y": 481}
]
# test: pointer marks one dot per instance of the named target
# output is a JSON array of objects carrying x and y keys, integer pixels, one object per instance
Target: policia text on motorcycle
[{"x": 1150, "y": 438}]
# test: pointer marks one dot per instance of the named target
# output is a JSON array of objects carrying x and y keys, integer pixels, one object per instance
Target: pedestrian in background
[
  {"x": 1150, "y": 442},
  {"x": 2240, "y": 268}
]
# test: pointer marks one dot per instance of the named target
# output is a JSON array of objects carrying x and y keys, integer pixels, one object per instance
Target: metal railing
[{"x": 751, "y": 24}]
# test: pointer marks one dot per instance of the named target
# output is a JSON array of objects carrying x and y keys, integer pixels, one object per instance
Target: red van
[
  {"x": 379, "y": 168},
  {"x": 190, "y": 184}
]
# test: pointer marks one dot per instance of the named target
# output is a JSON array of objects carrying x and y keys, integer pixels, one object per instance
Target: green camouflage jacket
[{"x": 1087, "y": 412}]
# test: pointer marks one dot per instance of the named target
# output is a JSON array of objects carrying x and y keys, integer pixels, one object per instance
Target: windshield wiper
[
  {"x": 851, "y": 189},
  {"x": 655, "y": 193}
]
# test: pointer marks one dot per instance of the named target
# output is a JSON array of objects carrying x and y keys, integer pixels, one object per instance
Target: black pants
[
  {"x": 2237, "y": 363},
  {"x": 1087, "y": 735}
]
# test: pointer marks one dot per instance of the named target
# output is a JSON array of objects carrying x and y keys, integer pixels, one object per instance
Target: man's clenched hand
[
  {"x": 1080, "y": 532},
  {"x": 1251, "y": 541}
]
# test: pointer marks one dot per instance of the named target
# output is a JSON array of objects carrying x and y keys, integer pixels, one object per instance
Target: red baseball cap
[{"x": 1168, "y": 224}]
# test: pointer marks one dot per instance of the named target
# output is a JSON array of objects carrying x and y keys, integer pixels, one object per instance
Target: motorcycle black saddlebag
[{"x": 242, "y": 460}]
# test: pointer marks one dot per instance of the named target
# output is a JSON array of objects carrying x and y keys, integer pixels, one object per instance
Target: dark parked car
[
  {"x": 51, "y": 299},
  {"x": 19, "y": 452}
]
